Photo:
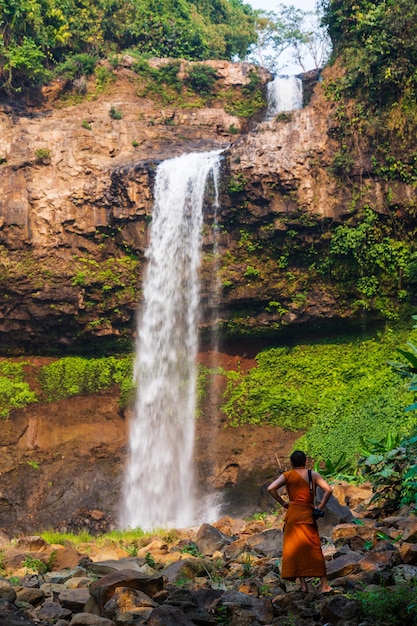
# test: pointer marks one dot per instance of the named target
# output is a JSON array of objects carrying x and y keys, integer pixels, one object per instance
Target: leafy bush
[
  {"x": 43, "y": 156},
  {"x": 390, "y": 465},
  {"x": 72, "y": 376},
  {"x": 168, "y": 74},
  {"x": 82, "y": 64},
  {"x": 114, "y": 113},
  {"x": 15, "y": 393},
  {"x": 201, "y": 78},
  {"x": 251, "y": 272},
  {"x": 246, "y": 105}
]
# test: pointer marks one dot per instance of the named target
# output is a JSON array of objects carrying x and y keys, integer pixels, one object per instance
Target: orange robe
[{"x": 301, "y": 553}]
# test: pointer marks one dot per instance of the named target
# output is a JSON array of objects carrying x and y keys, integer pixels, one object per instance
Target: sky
[{"x": 272, "y": 5}]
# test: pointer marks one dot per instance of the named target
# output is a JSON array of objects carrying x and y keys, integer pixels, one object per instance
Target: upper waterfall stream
[
  {"x": 285, "y": 93},
  {"x": 159, "y": 483}
]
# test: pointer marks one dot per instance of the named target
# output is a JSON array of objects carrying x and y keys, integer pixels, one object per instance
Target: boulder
[
  {"x": 50, "y": 612},
  {"x": 209, "y": 539},
  {"x": 340, "y": 611},
  {"x": 355, "y": 536},
  {"x": 74, "y": 599},
  {"x": 410, "y": 530},
  {"x": 296, "y": 603},
  {"x": 11, "y": 616},
  {"x": 343, "y": 565},
  {"x": 183, "y": 570},
  {"x": 102, "y": 568},
  {"x": 32, "y": 595},
  {"x": 6, "y": 591},
  {"x": 261, "y": 609},
  {"x": 169, "y": 616},
  {"x": 268, "y": 542},
  {"x": 103, "y": 589},
  {"x": 87, "y": 619},
  {"x": 126, "y": 600},
  {"x": 408, "y": 553},
  {"x": 404, "y": 573}
]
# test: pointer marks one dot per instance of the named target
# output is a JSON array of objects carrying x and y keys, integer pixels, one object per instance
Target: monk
[{"x": 302, "y": 556}]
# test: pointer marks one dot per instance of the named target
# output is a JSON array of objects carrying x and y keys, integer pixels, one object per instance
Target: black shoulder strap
[{"x": 310, "y": 483}]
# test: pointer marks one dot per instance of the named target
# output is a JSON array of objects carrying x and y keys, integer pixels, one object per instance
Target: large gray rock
[
  {"x": 334, "y": 513},
  {"x": 102, "y": 590},
  {"x": 404, "y": 573},
  {"x": 11, "y": 616},
  {"x": 169, "y": 616},
  {"x": 340, "y": 611},
  {"x": 87, "y": 619},
  {"x": 102, "y": 568},
  {"x": 6, "y": 591},
  {"x": 343, "y": 565},
  {"x": 235, "y": 601},
  {"x": 184, "y": 570},
  {"x": 268, "y": 543},
  {"x": 209, "y": 539},
  {"x": 74, "y": 599},
  {"x": 50, "y": 612},
  {"x": 127, "y": 600}
]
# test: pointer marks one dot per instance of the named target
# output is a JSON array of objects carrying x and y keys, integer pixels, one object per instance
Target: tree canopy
[
  {"x": 36, "y": 35},
  {"x": 290, "y": 29},
  {"x": 377, "y": 41}
]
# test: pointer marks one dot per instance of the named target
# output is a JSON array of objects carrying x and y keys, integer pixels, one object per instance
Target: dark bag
[{"x": 317, "y": 513}]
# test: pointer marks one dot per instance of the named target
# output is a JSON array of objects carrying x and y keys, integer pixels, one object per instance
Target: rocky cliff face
[
  {"x": 76, "y": 185},
  {"x": 60, "y": 462},
  {"x": 76, "y": 201}
]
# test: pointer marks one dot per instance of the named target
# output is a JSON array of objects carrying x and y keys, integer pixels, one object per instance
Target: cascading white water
[
  {"x": 159, "y": 482},
  {"x": 285, "y": 93}
]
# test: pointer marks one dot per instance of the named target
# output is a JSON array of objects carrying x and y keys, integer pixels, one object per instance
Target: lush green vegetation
[
  {"x": 72, "y": 376},
  {"x": 391, "y": 606},
  {"x": 68, "y": 377},
  {"x": 198, "y": 86},
  {"x": 375, "y": 87},
  {"x": 368, "y": 264},
  {"x": 377, "y": 42},
  {"x": 390, "y": 465},
  {"x": 38, "y": 38},
  {"x": 15, "y": 391},
  {"x": 373, "y": 262},
  {"x": 338, "y": 392}
]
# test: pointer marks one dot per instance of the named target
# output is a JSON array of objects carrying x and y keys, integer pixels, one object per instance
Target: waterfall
[
  {"x": 285, "y": 93},
  {"x": 159, "y": 481}
]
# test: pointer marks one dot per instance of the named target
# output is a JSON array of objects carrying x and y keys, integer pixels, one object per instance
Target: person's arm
[
  {"x": 325, "y": 487},
  {"x": 273, "y": 490}
]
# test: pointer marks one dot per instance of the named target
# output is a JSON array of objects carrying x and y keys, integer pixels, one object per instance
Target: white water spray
[
  {"x": 159, "y": 485},
  {"x": 285, "y": 93}
]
